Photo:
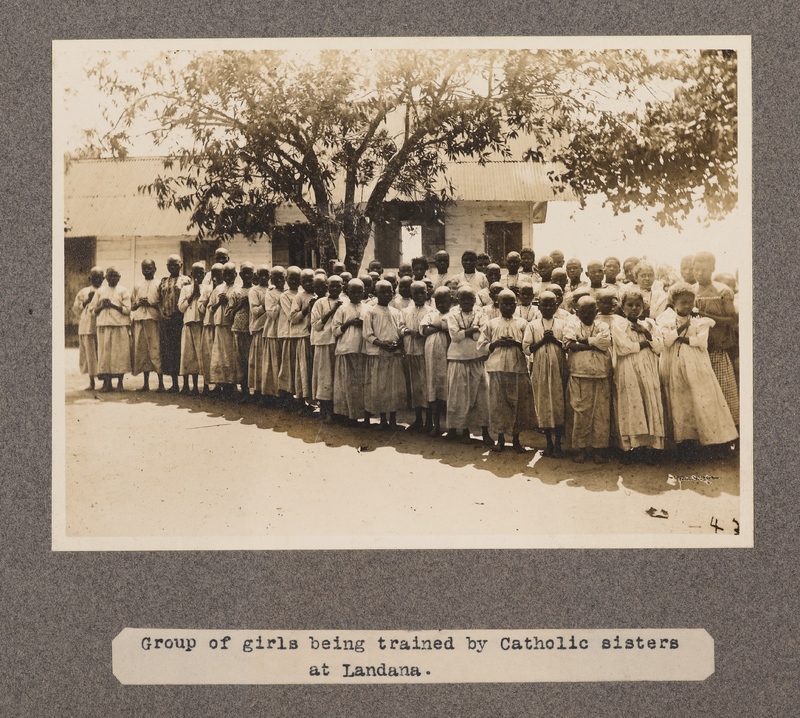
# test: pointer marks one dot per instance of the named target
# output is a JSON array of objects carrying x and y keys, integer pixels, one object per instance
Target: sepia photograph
[{"x": 402, "y": 293}]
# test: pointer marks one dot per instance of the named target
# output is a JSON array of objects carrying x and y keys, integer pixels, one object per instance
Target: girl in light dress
[
  {"x": 696, "y": 409},
  {"x": 639, "y": 413}
]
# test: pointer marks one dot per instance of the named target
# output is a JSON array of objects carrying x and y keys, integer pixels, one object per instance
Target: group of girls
[{"x": 608, "y": 361}]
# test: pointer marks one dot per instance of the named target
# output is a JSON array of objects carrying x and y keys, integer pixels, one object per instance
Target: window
[{"x": 500, "y": 238}]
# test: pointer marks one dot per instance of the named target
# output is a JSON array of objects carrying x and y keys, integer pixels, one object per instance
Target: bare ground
[{"x": 194, "y": 472}]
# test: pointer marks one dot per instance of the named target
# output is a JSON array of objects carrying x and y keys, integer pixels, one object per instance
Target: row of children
[{"x": 464, "y": 351}]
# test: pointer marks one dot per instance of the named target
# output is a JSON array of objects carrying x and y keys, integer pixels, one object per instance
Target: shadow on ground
[{"x": 611, "y": 476}]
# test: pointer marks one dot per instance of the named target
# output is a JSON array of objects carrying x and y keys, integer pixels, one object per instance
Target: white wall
[{"x": 464, "y": 226}]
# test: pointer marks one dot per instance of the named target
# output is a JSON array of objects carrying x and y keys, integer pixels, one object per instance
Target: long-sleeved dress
[
  {"x": 436, "y": 345},
  {"x": 638, "y": 405},
  {"x": 467, "y": 384},
  {"x": 414, "y": 348},
  {"x": 192, "y": 335},
  {"x": 510, "y": 394},
  {"x": 87, "y": 330},
  {"x": 113, "y": 331},
  {"x": 695, "y": 405},
  {"x": 348, "y": 382},
  {"x": 548, "y": 371},
  {"x": 145, "y": 322},
  {"x": 384, "y": 378}
]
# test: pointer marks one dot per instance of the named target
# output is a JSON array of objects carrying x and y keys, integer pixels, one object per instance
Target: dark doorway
[
  {"x": 294, "y": 245},
  {"x": 501, "y": 238},
  {"x": 390, "y": 233},
  {"x": 198, "y": 250},
  {"x": 79, "y": 258}
]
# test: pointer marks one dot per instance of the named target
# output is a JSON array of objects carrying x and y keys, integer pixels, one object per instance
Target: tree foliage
[{"x": 338, "y": 133}]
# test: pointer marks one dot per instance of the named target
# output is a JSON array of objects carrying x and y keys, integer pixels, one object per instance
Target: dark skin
[
  {"x": 632, "y": 308},
  {"x": 418, "y": 271},
  {"x": 334, "y": 292},
  {"x": 174, "y": 267},
  {"x": 469, "y": 263},
  {"x": 527, "y": 259},
  {"x": 683, "y": 304},
  {"x": 587, "y": 313},
  {"x": 293, "y": 279},
  {"x": 278, "y": 280},
  {"x": 442, "y": 262},
  {"x": 112, "y": 278},
  {"x": 95, "y": 280},
  {"x": 547, "y": 306},
  {"x": 356, "y": 295},
  {"x": 197, "y": 274},
  {"x": 466, "y": 300},
  {"x": 419, "y": 296},
  {"x": 441, "y": 297},
  {"x": 404, "y": 287},
  {"x": 507, "y": 307},
  {"x": 493, "y": 274},
  {"x": 513, "y": 262},
  {"x": 594, "y": 271},
  {"x": 611, "y": 271},
  {"x": 247, "y": 274},
  {"x": 703, "y": 272},
  {"x": 148, "y": 272},
  {"x": 405, "y": 270},
  {"x": 546, "y": 267}
]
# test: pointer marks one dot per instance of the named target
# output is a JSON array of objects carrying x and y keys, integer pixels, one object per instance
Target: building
[{"x": 110, "y": 221}]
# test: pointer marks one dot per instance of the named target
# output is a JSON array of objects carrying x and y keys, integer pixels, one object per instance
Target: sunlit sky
[{"x": 589, "y": 233}]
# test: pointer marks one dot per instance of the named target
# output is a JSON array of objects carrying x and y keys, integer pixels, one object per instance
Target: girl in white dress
[{"x": 696, "y": 409}]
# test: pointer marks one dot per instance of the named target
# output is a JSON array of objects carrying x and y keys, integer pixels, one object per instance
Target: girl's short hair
[
  {"x": 420, "y": 260},
  {"x": 642, "y": 265},
  {"x": 681, "y": 289},
  {"x": 632, "y": 293}
]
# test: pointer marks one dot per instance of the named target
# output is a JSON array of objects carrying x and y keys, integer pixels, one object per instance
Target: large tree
[{"x": 337, "y": 133}]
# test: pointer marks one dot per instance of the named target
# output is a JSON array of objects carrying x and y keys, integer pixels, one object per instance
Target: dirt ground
[{"x": 171, "y": 471}]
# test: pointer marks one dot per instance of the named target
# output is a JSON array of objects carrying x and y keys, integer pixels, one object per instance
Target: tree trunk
[
  {"x": 356, "y": 236},
  {"x": 327, "y": 242}
]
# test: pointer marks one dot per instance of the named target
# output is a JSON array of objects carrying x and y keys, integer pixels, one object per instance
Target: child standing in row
[
  {"x": 696, "y": 409},
  {"x": 384, "y": 379},
  {"x": 347, "y": 326},
  {"x": 87, "y": 325},
  {"x": 414, "y": 355},
  {"x": 239, "y": 308},
  {"x": 510, "y": 396},
  {"x": 192, "y": 336},
  {"x": 543, "y": 341},
  {"x": 258, "y": 317},
  {"x": 287, "y": 370},
  {"x": 145, "y": 316},
  {"x": 207, "y": 342},
  {"x": 639, "y": 413},
  {"x": 273, "y": 344},
  {"x": 467, "y": 391},
  {"x": 300, "y": 329},
  {"x": 111, "y": 305},
  {"x": 224, "y": 368},
  {"x": 171, "y": 325},
  {"x": 587, "y": 342},
  {"x": 437, "y": 339},
  {"x": 324, "y": 342}
]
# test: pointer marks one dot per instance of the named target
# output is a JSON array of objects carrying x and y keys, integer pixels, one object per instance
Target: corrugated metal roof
[
  {"x": 102, "y": 196},
  {"x": 506, "y": 182}
]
